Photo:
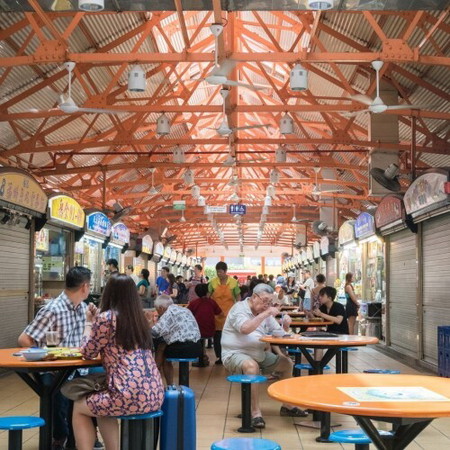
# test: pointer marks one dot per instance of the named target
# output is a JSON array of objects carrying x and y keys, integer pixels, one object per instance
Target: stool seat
[
  {"x": 150, "y": 415},
  {"x": 242, "y": 378},
  {"x": 308, "y": 367},
  {"x": 245, "y": 443},
  {"x": 20, "y": 422},
  {"x": 383, "y": 371},
  {"x": 353, "y": 436},
  {"x": 348, "y": 349},
  {"x": 182, "y": 359}
]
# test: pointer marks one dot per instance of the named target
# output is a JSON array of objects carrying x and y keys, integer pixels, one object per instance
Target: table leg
[
  {"x": 404, "y": 434},
  {"x": 45, "y": 394},
  {"x": 339, "y": 362}
]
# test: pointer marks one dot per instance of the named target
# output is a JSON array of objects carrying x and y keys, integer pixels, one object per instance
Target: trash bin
[{"x": 373, "y": 327}]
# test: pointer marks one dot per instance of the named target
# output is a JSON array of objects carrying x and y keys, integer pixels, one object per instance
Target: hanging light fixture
[
  {"x": 299, "y": 78},
  {"x": 163, "y": 125},
  {"x": 137, "y": 81},
  {"x": 268, "y": 201},
  {"x": 178, "y": 155},
  {"x": 195, "y": 191},
  {"x": 91, "y": 5},
  {"x": 274, "y": 176},
  {"x": 61, "y": 5},
  {"x": 270, "y": 190},
  {"x": 286, "y": 124},
  {"x": 320, "y": 5},
  {"x": 188, "y": 177},
  {"x": 280, "y": 154},
  {"x": 182, "y": 218},
  {"x": 265, "y": 210},
  {"x": 201, "y": 201}
]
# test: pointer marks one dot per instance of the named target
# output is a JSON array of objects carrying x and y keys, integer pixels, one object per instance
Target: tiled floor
[{"x": 218, "y": 403}]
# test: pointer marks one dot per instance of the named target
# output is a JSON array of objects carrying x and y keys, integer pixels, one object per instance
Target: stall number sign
[{"x": 238, "y": 209}]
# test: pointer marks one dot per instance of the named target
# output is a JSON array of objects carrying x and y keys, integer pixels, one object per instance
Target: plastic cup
[{"x": 52, "y": 338}]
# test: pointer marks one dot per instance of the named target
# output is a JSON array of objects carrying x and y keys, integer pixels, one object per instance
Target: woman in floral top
[{"x": 119, "y": 333}]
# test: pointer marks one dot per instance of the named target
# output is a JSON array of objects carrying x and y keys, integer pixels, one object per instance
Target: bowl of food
[
  {"x": 34, "y": 354},
  {"x": 278, "y": 333}
]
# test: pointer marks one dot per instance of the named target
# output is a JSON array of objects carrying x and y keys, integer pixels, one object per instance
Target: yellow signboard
[
  {"x": 17, "y": 187},
  {"x": 66, "y": 209}
]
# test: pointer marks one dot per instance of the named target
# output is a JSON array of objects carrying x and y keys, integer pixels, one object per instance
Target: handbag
[{"x": 82, "y": 386}]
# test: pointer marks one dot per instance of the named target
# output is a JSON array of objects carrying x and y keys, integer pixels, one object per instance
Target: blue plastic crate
[{"x": 444, "y": 337}]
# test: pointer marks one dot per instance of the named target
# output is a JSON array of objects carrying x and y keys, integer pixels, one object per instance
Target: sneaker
[
  {"x": 294, "y": 412},
  {"x": 98, "y": 445},
  {"x": 258, "y": 422}
]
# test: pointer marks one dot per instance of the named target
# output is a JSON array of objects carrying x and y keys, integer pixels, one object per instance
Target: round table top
[
  {"x": 309, "y": 323},
  {"x": 343, "y": 340},
  {"x": 8, "y": 360},
  {"x": 400, "y": 395}
]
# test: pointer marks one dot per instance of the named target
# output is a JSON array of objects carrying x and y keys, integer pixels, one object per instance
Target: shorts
[{"x": 234, "y": 363}]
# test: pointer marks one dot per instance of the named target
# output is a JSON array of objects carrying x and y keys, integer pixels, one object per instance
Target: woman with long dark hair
[
  {"x": 352, "y": 306},
  {"x": 120, "y": 334},
  {"x": 173, "y": 287}
]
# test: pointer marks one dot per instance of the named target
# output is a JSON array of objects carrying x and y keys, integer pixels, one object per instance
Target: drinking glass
[{"x": 52, "y": 338}]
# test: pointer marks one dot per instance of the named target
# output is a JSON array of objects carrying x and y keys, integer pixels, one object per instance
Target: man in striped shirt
[{"x": 65, "y": 314}]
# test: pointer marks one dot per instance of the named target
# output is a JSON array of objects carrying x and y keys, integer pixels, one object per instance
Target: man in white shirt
[
  {"x": 307, "y": 286},
  {"x": 243, "y": 352}
]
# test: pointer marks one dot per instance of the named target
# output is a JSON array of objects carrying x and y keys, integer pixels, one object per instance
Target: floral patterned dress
[{"x": 134, "y": 382}]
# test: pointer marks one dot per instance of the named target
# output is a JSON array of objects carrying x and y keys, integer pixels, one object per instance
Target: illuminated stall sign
[
  {"x": 17, "y": 188},
  {"x": 390, "y": 212},
  {"x": 173, "y": 256},
  {"x": 364, "y": 225},
  {"x": 147, "y": 244},
  {"x": 309, "y": 254},
  {"x": 120, "y": 234},
  {"x": 66, "y": 210},
  {"x": 158, "y": 251},
  {"x": 324, "y": 245},
  {"x": 346, "y": 233},
  {"x": 184, "y": 260},
  {"x": 427, "y": 193},
  {"x": 98, "y": 223},
  {"x": 166, "y": 254},
  {"x": 316, "y": 250},
  {"x": 304, "y": 258},
  {"x": 179, "y": 258}
]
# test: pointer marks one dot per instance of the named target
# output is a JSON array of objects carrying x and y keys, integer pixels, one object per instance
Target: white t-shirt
[
  {"x": 233, "y": 341},
  {"x": 309, "y": 286}
]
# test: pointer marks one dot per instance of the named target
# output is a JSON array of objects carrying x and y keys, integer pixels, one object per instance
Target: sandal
[{"x": 258, "y": 422}]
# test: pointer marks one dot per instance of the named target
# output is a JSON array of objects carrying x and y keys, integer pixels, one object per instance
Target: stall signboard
[
  {"x": 346, "y": 232},
  {"x": 173, "y": 256},
  {"x": 184, "y": 260},
  {"x": 147, "y": 244},
  {"x": 42, "y": 240},
  {"x": 167, "y": 251},
  {"x": 304, "y": 258},
  {"x": 79, "y": 248},
  {"x": 364, "y": 225},
  {"x": 19, "y": 188},
  {"x": 120, "y": 234},
  {"x": 390, "y": 211},
  {"x": 66, "y": 210},
  {"x": 158, "y": 249},
  {"x": 309, "y": 254},
  {"x": 427, "y": 193},
  {"x": 215, "y": 209},
  {"x": 324, "y": 245},
  {"x": 316, "y": 250},
  {"x": 179, "y": 258},
  {"x": 238, "y": 209},
  {"x": 98, "y": 223}
]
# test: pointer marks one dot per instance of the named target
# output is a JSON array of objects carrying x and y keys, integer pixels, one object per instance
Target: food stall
[
  {"x": 88, "y": 250},
  {"x": 327, "y": 254},
  {"x": 23, "y": 206},
  {"x": 56, "y": 244},
  {"x": 118, "y": 244},
  {"x": 349, "y": 256}
]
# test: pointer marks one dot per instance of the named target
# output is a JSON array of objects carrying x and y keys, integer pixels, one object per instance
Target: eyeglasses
[{"x": 265, "y": 302}]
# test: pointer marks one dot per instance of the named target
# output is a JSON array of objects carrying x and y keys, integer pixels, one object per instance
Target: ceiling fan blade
[
  {"x": 99, "y": 111},
  {"x": 354, "y": 113},
  {"x": 253, "y": 87},
  {"x": 394, "y": 107},
  {"x": 361, "y": 98},
  {"x": 224, "y": 69},
  {"x": 249, "y": 127}
]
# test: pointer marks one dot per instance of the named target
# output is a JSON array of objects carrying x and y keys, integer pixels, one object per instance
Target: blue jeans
[{"x": 60, "y": 410}]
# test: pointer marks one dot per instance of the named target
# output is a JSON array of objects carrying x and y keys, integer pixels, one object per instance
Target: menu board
[
  {"x": 19, "y": 188},
  {"x": 147, "y": 244},
  {"x": 41, "y": 239},
  {"x": 67, "y": 210},
  {"x": 120, "y": 234},
  {"x": 54, "y": 266},
  {"x": 346, "y": 232},
  {"x": 364, "y": 225},
  {"x": 98, "y": 223}
]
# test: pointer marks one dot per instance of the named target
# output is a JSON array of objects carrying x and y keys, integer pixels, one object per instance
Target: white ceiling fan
[
  {"x": 219, "y": 74},
  {"x": 224, "y": 129},
  {"x": 294, "y": 217},
  {"x": 67, "y": 104},
  {"x": 377, "y": 105},
  {"x": 317, "y": 192}
]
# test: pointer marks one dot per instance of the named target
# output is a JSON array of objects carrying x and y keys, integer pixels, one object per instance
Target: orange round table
[
  {"x": 409, "y": 402},
  {"x": 29, "y": 370},
  {"x": 304, "y": 324}
]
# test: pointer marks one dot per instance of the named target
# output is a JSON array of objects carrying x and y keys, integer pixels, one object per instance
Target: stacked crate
[{"x": 444, "y": 351}]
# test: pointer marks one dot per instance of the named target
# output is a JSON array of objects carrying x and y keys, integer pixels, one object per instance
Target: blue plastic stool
[
  {"x": 357, "y": 437},
  {"x": 307, "y": 367},
  {"x": 246, "y": 395},
  {"x": 183, "y": 369},
  {"x": 245, "y": 444},
  {"x": 384, "y": 371},
  {"x": 140, "y": 432},
  {"x": 342, "y": 359},
  {"x": 15, "y": 425},
  {"x": 297, "y": 359}
]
